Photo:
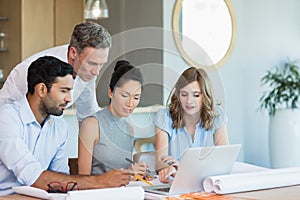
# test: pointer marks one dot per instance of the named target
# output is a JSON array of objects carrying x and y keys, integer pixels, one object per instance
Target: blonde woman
[{"x": 192, "y": 119}]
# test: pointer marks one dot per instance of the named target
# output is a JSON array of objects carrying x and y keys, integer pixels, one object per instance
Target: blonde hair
[{"x": 208, "y": 111}]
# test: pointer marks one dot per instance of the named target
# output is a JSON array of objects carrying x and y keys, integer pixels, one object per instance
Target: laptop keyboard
[{"x": 167, "y": 189}]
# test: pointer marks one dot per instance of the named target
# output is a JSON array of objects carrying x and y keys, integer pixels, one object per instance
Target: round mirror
[{"x": 204, "y": 31}]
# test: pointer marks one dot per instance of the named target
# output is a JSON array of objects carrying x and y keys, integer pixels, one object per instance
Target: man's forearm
[{"x": 114, "y": 178}]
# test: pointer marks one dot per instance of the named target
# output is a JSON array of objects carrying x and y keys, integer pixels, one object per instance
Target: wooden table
[
  {"x": 289, "y": 193},
  {"x": 17, "y": 197}
]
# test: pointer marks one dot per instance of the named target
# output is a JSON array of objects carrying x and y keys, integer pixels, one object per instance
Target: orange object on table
[{"x": 200, "y": 196}]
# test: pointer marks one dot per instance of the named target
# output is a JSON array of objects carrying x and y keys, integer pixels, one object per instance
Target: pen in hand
[
  {"x": 170, "y": 162},
  {"x": 137, "y": 176},
  {"x": 167, "y": 165},
  {"x": 141, "y": 179},
  {"x": 132, "y": 162}
]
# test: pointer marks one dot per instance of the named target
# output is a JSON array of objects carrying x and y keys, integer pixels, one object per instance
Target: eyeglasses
[{"x": 57, "y": 187}]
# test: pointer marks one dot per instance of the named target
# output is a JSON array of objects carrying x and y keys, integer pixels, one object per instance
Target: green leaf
[{"x": 284, "y": 87}]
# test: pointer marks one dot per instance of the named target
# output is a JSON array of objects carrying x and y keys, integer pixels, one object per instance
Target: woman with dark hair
[
  {"x": 107, "y": 139},
  {"x": 192, "y": 119}
]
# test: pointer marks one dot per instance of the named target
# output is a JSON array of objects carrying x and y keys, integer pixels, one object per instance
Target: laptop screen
[{"x": 197, "y": 163}]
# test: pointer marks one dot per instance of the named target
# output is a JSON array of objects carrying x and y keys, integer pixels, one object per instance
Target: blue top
[
  {"x": 116, "y": 143},
  {"x": 180, "y": 139},
  {"x": 27, "y": 149}
]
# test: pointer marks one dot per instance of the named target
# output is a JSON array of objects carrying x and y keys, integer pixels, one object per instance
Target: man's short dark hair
[{"x": 45, "y": 70}]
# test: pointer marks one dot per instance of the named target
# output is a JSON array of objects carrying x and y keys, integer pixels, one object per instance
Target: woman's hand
[
  {"x": 149, "y": 177},
  {"x": 170, "y": 170},
  {"x": 170, "y": 161},
  {"x": 140, "y": 168},
  {"x": 166, "y": 173}
]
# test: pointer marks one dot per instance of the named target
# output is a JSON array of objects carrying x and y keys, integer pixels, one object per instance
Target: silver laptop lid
[{"x": 199, "y": 162}]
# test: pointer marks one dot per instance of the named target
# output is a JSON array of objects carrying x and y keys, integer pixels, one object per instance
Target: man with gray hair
[{"x": 87, "y": 53}]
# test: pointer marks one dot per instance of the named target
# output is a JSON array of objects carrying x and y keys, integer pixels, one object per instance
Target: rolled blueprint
[{"x": 243, "y": 182}]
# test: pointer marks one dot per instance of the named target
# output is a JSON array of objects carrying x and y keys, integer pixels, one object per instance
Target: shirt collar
[{"x": 26, "y": 113}]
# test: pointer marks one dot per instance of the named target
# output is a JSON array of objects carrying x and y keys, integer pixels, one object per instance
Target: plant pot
[{"x": 284, "y": 138}]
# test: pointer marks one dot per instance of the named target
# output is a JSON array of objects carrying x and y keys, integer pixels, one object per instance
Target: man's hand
[{"x": 115, "y": 178}]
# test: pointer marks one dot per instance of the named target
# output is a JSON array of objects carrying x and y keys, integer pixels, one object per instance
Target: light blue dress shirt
[
  {"x": 180, "y": 139},
  {"x": 26, "y": 148}
]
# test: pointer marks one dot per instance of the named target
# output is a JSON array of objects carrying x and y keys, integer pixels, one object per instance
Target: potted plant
[{"x": 281, "y": 101}]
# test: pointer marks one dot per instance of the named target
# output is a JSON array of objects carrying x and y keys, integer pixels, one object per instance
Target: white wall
[{"x": 268, "y": 32}]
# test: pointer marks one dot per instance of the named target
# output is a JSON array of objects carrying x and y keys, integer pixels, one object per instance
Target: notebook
[{"x": 197, "y": 164}]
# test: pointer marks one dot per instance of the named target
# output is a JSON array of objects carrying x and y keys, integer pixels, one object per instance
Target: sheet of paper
[
  {"x": 152, "y": 196},
  {"x": 250, "y": 181},
  {"x": 36, "y": 192},
  {"x": 155, "y": 181},
  {"x": 241, "y": 167},
  {"x": 124, "y": 193}
]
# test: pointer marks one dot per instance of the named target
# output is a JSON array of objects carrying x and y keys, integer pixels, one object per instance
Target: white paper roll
[{"x": 233, "y": 183}]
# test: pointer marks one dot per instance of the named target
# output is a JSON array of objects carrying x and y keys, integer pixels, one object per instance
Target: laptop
[{"x": 198, "y": 163}]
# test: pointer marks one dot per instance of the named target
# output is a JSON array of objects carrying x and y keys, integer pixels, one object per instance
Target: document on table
[
  {"x": 124, "y": 193},
  {"x": 39, "y": 193},
  {"x": 242, "y": 182},
  {"x": 149, "y": 196},
  {"x": 242, "y": 167},
  {"x": 155, "y": 181}
]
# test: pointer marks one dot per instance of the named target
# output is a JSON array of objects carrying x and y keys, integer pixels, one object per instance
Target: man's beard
[{"x": 51, "y": 109}]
